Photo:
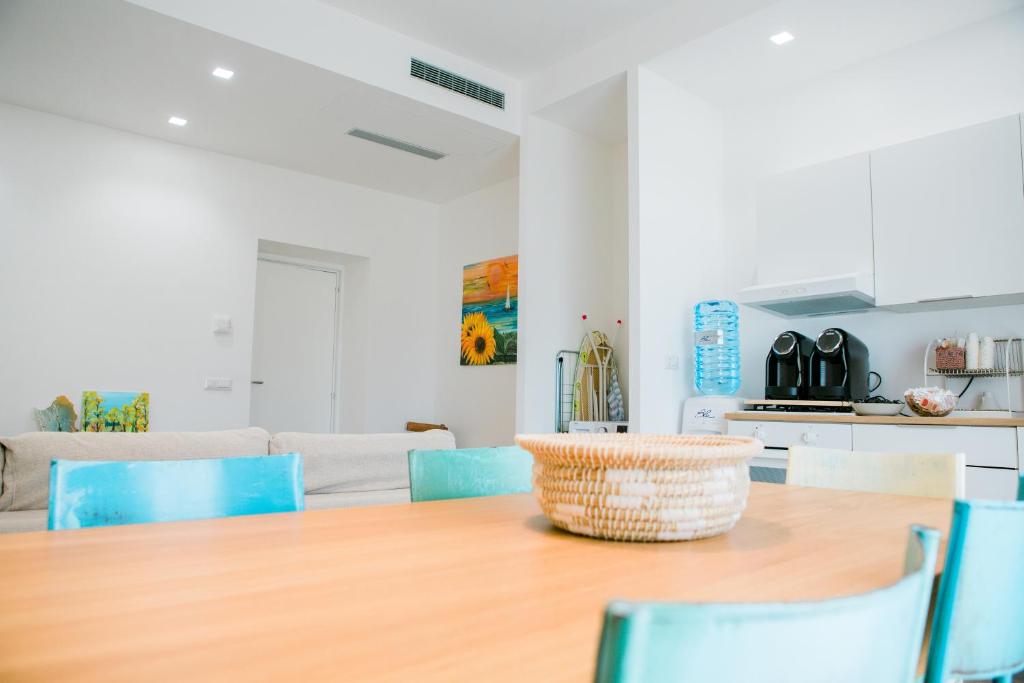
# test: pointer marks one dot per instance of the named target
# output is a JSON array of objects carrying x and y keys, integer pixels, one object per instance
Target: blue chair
[
  {"x": 870, "y": 637},
  {"x": 469, "y": 472},
  {"x": 104, "y": 493},
  {"x": 978, "y": 627}
]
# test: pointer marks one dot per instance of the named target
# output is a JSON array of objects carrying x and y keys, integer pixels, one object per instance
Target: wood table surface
[{"x": 475, "y": 589}]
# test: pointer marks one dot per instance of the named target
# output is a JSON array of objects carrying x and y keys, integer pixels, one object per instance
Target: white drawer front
[
  {"x": 786, "y": 434},
  {"x": 984, "y": 446},
  {"x": 993, "y": 484}
]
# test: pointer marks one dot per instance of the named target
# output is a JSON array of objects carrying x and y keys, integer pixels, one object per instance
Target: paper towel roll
[
  {"x": 972, "y": 351},
  {"x": 987, "y": 354}
]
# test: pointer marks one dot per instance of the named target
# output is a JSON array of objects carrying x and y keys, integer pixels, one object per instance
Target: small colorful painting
[
  {"x": 115, "y": 411},
  {"x": 490, "y": 312}
]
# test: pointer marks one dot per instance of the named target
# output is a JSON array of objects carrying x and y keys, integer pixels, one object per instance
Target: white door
[{"x": 294, "y": 348}]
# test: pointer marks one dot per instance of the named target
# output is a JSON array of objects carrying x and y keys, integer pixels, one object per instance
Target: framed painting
[
  {"x": 115, "y": 411},
  {"x": 490, "y": 312}
]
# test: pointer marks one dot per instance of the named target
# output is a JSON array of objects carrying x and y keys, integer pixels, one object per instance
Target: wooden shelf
[{"x": 850, "y": 418}]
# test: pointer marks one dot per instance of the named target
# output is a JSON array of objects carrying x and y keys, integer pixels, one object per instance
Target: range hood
[{"x": 813, "y": 296}]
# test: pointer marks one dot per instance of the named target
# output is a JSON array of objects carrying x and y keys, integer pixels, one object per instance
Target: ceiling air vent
[
  {"x": 456, "y": 83},
  {"x": 397, "y": 144}
]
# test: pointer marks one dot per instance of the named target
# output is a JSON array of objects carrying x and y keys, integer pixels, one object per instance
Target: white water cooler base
[{"x": 706, "y": 414}]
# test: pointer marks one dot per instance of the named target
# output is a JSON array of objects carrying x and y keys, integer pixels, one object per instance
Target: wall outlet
[
  {"x": 218, "y": 384},
  {"x": 672, "y": 362}
]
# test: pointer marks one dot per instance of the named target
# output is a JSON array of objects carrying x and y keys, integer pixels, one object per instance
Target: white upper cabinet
[
  {"x": 949, "y": 216},
  {"x": 815, "y": 222}
]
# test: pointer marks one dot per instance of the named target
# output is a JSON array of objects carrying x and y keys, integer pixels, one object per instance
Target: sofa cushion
[
  {"x": 327, "y": 501},
  {"x": 339, "y": 463},
  {"x": 16, "y": 521},
  {"x": 26, "y": 472}
]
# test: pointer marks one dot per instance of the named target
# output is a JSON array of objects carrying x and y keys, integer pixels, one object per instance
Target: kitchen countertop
[{"x": 852, "y": 418}]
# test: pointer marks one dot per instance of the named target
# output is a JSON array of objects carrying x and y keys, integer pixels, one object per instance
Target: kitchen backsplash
[{"x": 896, "y": 342}]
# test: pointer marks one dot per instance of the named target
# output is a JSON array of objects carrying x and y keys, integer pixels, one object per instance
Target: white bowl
[{"x": 878, "y": 409}]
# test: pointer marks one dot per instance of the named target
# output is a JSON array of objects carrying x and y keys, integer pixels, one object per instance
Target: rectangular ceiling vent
[
  {"x": 456, "y": 83},
  {"x": 397, "y": 144}
]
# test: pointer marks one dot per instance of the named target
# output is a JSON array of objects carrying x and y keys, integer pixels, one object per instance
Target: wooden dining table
[{"x": 480, "y": 589}]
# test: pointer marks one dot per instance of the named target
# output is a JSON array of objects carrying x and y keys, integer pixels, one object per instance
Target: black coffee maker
[
  {"x": 787, "y": 368},
  {"x": 839, "y": 367}
]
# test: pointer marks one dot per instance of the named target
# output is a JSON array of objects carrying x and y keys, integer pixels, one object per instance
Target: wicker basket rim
[{"x": 622, "y": 448}]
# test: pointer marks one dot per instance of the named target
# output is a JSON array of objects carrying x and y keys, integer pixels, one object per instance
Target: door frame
[{"x": 338, "y": 271}]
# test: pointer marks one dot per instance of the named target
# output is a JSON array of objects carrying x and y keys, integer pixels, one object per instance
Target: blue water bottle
[{"x": 716, "y": 348}]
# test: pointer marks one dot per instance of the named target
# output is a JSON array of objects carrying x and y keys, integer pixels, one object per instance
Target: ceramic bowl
[
  {"x": 931, "y": 401},
  {"x": 878, "y": 409}
]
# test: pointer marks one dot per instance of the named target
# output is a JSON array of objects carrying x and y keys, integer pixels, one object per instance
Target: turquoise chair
[
  {"x": 978, "y": 627},
  {"x": 469, "y": 473},
  {"x": 870, "y": 637},
  {"x": 103, "y": 493}
]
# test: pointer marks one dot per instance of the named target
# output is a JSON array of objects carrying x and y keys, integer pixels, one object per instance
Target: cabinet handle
[
  {"x": 809, "y": 437},
  {"x": 945, "y": 298}
]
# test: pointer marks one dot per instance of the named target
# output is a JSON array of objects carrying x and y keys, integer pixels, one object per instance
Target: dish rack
[{"x": 1009, "y": 362}]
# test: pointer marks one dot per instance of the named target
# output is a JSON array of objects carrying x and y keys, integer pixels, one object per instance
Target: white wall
[
  {"x": 964, "y": 77},
  {"x": 570, "y": 250},
  {"x": 118, "y": 249},
  {"x": 675, "y": 240},
  {"x": 477, "y": 403}
]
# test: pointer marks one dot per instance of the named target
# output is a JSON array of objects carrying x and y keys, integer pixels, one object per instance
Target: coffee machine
[
  {"x": 787, "y": 367},
  {"x": 838, "y": 367}
]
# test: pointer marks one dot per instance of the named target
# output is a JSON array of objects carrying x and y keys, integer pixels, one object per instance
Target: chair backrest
[
  {"x": 469, "y": 472},
  {"x": 103, "y": 493},
  {"x": 870, "y": 637},
  {"x": 930, "y": 475},
  {"x": 978, "y": 627}
]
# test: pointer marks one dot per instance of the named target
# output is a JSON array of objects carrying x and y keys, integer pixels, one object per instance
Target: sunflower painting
[{"x": 490, "y": 312}]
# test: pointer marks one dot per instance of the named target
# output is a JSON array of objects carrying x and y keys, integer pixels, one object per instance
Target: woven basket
[
  {"x": 953, "y": 358},
  {"x": 634, "y": 487}
]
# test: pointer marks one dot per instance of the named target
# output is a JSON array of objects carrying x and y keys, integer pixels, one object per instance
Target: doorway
[{"x": 295, "y": 347}]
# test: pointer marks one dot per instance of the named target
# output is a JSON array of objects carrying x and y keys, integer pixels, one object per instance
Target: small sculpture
[{"x": 59, "y": 417}]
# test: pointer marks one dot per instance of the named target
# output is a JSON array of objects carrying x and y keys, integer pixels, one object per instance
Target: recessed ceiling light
[
  {"x": 782, "y": 38},
  {"x": 221, "y": 72},
  {"x": 177, "y": 121}
]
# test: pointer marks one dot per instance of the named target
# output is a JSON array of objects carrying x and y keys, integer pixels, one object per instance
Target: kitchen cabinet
[
  {"x": 777, "y": 437},
  {"x": 948, "y": 213},
  {"x": 991, "y": 484},
  {"x": 992, "y": 452},
  {"x": 815, "y": 222},
  {"x": 984, "y": 446},
  {"x": 994, "y": 455}
]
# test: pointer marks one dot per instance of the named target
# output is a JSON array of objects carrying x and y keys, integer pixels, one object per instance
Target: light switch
[
  {"x": 218, "y": 384},
  {"x": 671, "y": 362},
  {"x": 222, "y": 324}
]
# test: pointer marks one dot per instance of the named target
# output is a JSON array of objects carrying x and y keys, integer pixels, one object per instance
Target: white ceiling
[
  {"x": 737, "y": 62},
  {"x": 116, "y": 64},
  {"x": 515, "y": 37}
]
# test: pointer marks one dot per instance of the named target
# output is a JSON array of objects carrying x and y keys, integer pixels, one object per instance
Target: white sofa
[{"x": 339, "y": 470}]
